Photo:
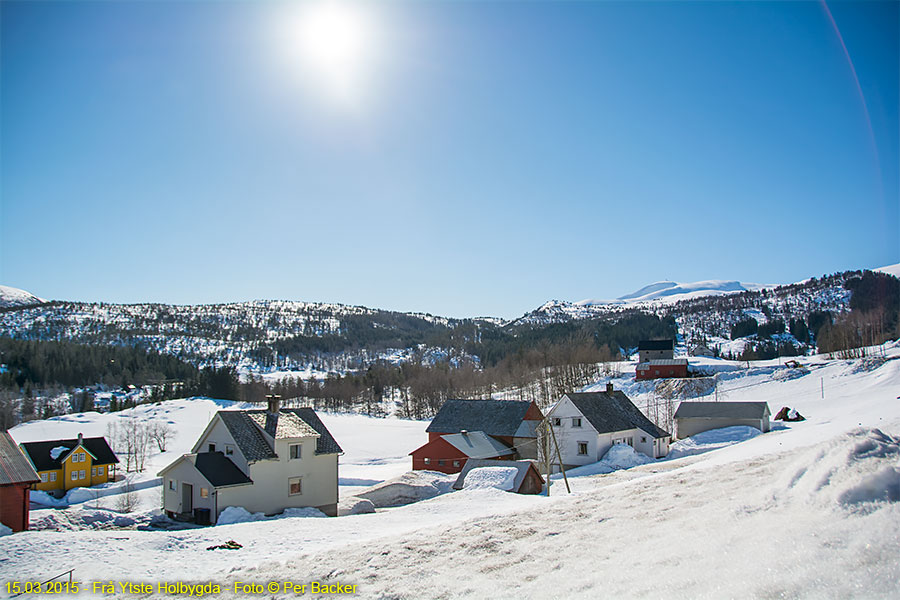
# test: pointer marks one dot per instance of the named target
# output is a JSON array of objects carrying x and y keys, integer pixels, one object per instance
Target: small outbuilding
[
  {"x": 662, "y": 369},
  {"x": 16, "y": 477},
  {"x": 692, "y": 418},
  {"x": 656, "y": 350},
  {"x": 448, "y": 453},
  {"x": 527, "y": 480}
]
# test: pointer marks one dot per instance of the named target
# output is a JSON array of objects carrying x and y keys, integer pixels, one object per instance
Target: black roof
[
  {"x": 722, "y": 410},
  {"x": 253, "y": 444},
  {"x": 14, "y": 467},
  {"x": 494, "y": 417},
  {"x": 39, "y": 452},
  {"x": 613, "y": 411},
  {"x": 219, "y": 470},
  {"x": 656, "y": 345}
]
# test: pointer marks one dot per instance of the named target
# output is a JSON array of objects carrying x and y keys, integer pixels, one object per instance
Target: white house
[
  {"x": 262, "y": 460},
  {"x": 587, "y": 424}
]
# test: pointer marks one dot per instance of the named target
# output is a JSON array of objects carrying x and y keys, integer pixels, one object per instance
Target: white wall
[
  {"x": 186, "y": 472},
  {"x": 219, "y": 435}
]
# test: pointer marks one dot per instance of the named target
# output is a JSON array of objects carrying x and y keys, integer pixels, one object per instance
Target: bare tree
[{"x": 161, "y": 433}]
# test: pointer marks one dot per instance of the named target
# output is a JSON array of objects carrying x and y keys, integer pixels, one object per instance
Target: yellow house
[{"x": 66, "y": 464}]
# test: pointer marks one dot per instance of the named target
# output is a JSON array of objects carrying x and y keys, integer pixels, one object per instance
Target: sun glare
[{"x": 334, "y": 40}]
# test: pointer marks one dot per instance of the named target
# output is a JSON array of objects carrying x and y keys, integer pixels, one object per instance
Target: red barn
[
  {"x": 449, "y": 453},
  {"x": 660, "y": 369},
  {"x": 16, "y": 477}
]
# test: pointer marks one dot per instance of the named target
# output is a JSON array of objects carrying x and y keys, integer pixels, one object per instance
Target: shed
[
  {"x": 692, "y": 418},
  {"x": 528, "y": 480},
  {"x": 16, "y": 477},
  {"x": 661, "y": 369},
  {"x": 448, "y": 453}
]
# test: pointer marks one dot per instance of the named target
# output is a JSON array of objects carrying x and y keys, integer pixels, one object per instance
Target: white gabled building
[
  {"x": 587, "y": 424},
  {"x": 261, "y": 460}
]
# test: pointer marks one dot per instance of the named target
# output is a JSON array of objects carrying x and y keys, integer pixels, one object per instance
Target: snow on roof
[
  {"x": 477, "y": 444},
  {"x": 55, "y": 452}
]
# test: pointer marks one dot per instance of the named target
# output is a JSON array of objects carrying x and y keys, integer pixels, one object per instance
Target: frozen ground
[{"x": 810, "y": 510}]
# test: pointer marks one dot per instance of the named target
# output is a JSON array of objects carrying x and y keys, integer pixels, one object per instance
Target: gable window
[
  {"x": 295, "y": 486},
  {"x": 212, "y": 447},
  {"x": 53, "y": 476},
  {"x": 576, "y": 421},
  {"x": 229, "y": 449},
  {"x": 643, "y": 440},
  {"x": 582, "y": 448},
  {"x": 172, "y": 484},
  {"x": 557, "y": 422},
  {"x": 43, "y": 477},
  {"x": 296, "y": 451}
]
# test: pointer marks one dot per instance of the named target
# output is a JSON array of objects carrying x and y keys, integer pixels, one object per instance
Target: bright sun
[{"x": 334, "y": 41}]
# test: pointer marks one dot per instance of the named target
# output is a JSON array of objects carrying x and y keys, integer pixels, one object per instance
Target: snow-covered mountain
[
  {"x": 10, "y": 297},
  {"x": 671, "y": 291}
]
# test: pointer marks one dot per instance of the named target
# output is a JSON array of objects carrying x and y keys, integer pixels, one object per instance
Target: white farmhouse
[
  {"x": 261, "y": 460},
  {"x": 587, "y": 424}
]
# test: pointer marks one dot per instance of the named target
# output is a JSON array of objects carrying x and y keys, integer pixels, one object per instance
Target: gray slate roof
[
  {"x": 218, "y": 469},
  {"x": 722, "y": 410},
  {"x": 473, "y": 463},
  {"x": 39, "y": 452},
  {"x": 494, "y": 417},
  {"x": 14, "y": 467},
  {"x": 613, "y": 411},
  {"x": 656, "y": 345},
  {"x": 477, "y": 444},
  {"x": 246, "y": 428}
]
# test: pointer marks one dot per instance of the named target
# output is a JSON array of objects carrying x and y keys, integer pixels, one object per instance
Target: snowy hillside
[
  {"x": 799, "y": 512},
  {"x": 11, "y": 297}
]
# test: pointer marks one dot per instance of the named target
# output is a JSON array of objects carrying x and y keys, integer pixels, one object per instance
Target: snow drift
[
  {"x": 501, "y": 478},
  {"x": 409, "y": 487}
]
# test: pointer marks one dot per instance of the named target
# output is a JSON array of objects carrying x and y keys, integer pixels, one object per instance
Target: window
[
  {"x": 631, "y": 441},
  {"x": 643, "y": 439},
  {"x": 99, "y": 470},
  {"x": 172, "y": 484},
  {"x": 204, "y": 493},
  {"x": 212, "y": 447},
  {"x": 93, "y": 471},
  {"x": 582, "y": 448},
  {"x": 296, "y": 451},
  {"x": 427, "y": 461},
  {"x": 442, "y": 462},
  {"x": 81, "y": 474},
  {"x": 74, "y": 475},
  {"x": 557, "y": 422},
  {"x": 576, "y": 421},
  {"x": 455, "y": 463},
  {"x": 229, "y": 449},
  {"x": 53, "y": 476},
  {"x": 44, "y": 477},
  {"x": 295, "y": 486}
]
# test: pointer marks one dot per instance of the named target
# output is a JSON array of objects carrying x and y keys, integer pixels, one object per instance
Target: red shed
[
  {"x": 449, "y": 453},
  {"x": 661, "y": 369},
  {"x": 16, "y": 477}
]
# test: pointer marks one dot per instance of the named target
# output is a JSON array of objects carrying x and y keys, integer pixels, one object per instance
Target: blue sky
[{"x": 489, "y": 156}]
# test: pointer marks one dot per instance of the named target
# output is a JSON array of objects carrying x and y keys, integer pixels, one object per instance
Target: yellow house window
[
  {"x": 99, "y": 470},
  {"x": 43, "y": 478},
  {"x": 74, "y": 475},
  {"x": 53, "y": 476}
]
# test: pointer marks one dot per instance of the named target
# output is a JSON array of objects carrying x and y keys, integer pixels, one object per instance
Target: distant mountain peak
[{"x": 10, "y": 296}]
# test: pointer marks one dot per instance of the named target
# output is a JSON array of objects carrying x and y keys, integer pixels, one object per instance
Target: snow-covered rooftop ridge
[{"x": 10, "y": 296}]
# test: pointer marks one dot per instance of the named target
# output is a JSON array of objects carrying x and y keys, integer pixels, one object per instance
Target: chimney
[
  {"x": 274, "y": 403},
  {"x": 464, "y": 431},
  {"x": 609, "y": 387},
  {"x": 80, "y": 438}
]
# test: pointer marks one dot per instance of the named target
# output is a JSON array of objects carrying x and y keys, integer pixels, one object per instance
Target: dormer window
[{"x": 296, "y": 451}]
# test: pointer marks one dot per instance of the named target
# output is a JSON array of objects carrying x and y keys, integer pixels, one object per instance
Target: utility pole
[{"x": 559, "y": 458}]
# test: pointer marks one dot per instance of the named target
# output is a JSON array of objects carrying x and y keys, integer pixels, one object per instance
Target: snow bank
[
  {"x": 354, "y": 506},
  {"x": 85, "y": 494},
  {"x": 409, "y": 487},
  {"x": 77, "y": 519},
  {"x": 239, "y": 514},
  {"x": 501, "y": 478},
  {"x": 623, "y": 456},
  {"x": 711, "y": 440},
  {"x": 854, "y": 470},
  {"x": 45, "y": 499}
]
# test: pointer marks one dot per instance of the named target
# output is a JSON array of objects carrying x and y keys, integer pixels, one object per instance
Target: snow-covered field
[{"x": 809, "y": 510}]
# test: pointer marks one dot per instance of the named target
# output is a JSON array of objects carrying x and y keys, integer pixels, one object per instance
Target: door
[{"x": 187, "y": 498}]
